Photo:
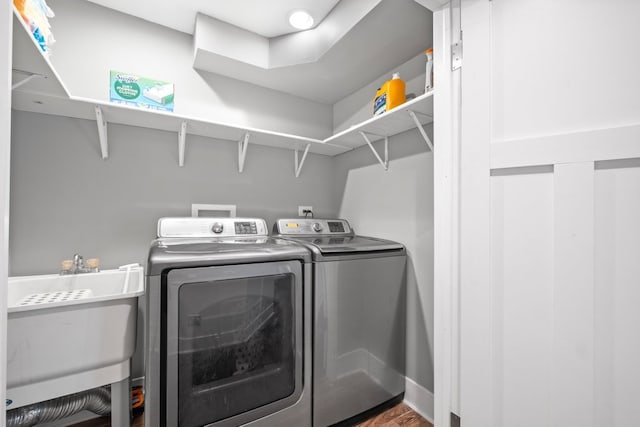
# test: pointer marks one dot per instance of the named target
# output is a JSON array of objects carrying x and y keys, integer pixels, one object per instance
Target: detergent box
[{"x": 130, "y": 89}]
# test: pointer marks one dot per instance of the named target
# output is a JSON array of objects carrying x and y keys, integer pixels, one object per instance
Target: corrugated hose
[{"x": 97, "y": 400}]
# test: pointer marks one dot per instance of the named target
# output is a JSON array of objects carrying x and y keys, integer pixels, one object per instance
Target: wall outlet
[{"x": 302, "y": 209}]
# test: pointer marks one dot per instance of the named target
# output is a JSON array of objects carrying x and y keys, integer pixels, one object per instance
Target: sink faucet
[
  {"x": 77, "y": 265},
  {"x": 74, "y": 267}
]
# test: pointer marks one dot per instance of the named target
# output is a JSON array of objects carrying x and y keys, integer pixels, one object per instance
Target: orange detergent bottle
[
  {"x": 19, "y": 4},
  {"x": 390, "y": 95}
]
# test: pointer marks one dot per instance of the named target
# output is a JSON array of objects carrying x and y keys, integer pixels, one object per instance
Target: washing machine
[
  {"x": 358, "y": 320},
  {"x": 228, "y": 326}
]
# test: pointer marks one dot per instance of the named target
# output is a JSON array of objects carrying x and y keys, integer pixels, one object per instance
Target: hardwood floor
[{"x": 398, "y": 416}]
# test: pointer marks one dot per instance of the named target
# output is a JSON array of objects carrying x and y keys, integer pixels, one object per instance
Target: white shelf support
[
  {"x": 421, "y": 129},
  {"x": 182, "y": 136},
  {"x": 102, "y": 133},
  {"x": 385, "y": 163},
  {"x": 243, "y": 144},
  {"x": 299, "y": 163},
  {"x": 28, "y": 77}
]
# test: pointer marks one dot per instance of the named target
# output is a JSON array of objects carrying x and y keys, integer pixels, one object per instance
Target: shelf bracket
[
  {"x": 385, "y": 163},
  {"x": 182, "y": 136},
  {"x": 28, "y": 77},
  {"x": 299, "y": 163},
  {"x": 243, "y": 144},
  {"x": 102, "y": 133},
  {"x": 421, "y": 129}
]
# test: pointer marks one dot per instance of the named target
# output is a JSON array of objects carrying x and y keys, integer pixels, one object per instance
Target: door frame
[
  {"x": 6, "y": 32},
  {"x": 461, "y": 215},
  {"x": 446, "y": 214}
]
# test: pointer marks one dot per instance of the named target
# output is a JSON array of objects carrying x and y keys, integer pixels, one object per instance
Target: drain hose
[{"x": 97, "y": 400}]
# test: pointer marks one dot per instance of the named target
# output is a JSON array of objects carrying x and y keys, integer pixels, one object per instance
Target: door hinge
[{"x": 456, "y": 56}]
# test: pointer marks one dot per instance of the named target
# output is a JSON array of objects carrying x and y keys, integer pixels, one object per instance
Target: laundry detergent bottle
[{"x": 390, "y": 95}]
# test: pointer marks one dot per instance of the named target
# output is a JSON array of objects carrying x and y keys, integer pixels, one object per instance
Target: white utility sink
[{"x": 70, "y": 333}]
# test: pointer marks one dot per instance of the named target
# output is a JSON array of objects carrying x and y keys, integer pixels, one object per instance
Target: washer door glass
[{"x": 234, "y": 342}]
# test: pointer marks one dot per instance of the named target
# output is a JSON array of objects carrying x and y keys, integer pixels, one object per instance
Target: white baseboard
[{"x": 419, "y": 399}]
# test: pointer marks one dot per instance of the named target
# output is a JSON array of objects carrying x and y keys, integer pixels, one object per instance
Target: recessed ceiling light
[{"x": 301, "y": 20}]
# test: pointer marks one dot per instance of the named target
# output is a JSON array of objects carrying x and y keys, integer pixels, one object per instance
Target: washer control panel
[
  {"x": 212, "y": 227},
  {"x": 312, "y": 226}
]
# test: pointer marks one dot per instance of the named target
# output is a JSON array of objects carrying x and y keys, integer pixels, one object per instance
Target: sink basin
[{"x": 70, "y": 333}]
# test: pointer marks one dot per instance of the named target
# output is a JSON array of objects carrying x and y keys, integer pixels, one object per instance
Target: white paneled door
[{"x": 550, "y": 214}]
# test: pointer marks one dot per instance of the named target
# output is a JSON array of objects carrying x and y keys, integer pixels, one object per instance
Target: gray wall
[{"x": 66, "y": 199}]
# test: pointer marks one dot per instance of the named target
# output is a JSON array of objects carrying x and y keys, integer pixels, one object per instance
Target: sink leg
[{"x": 121, "y": 403}]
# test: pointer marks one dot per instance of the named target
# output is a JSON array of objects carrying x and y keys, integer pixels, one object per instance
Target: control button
[
  {"x": 217, "y": 228},
  {"x": 317, "y": 227}
]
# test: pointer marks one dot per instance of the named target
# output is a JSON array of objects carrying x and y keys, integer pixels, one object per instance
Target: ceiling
[
  {"x": 352, "y": 43},
  {"x": 268, "y": 18}
]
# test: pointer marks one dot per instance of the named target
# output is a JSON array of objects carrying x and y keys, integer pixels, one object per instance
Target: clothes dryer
[{"x": 228, "y": 326}]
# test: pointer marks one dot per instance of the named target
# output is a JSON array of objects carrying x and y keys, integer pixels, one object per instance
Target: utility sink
[{"x": 70, "y": 333}]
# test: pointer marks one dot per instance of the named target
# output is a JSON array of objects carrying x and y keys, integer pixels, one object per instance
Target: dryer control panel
[
  {"x": 312, "y": 226},
  {"x": 212, "y": 227}
]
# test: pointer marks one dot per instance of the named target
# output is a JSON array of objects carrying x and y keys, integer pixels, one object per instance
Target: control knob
[
  {"x": 317, "y": 227},
  {"x": 217, "y": 228}
]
